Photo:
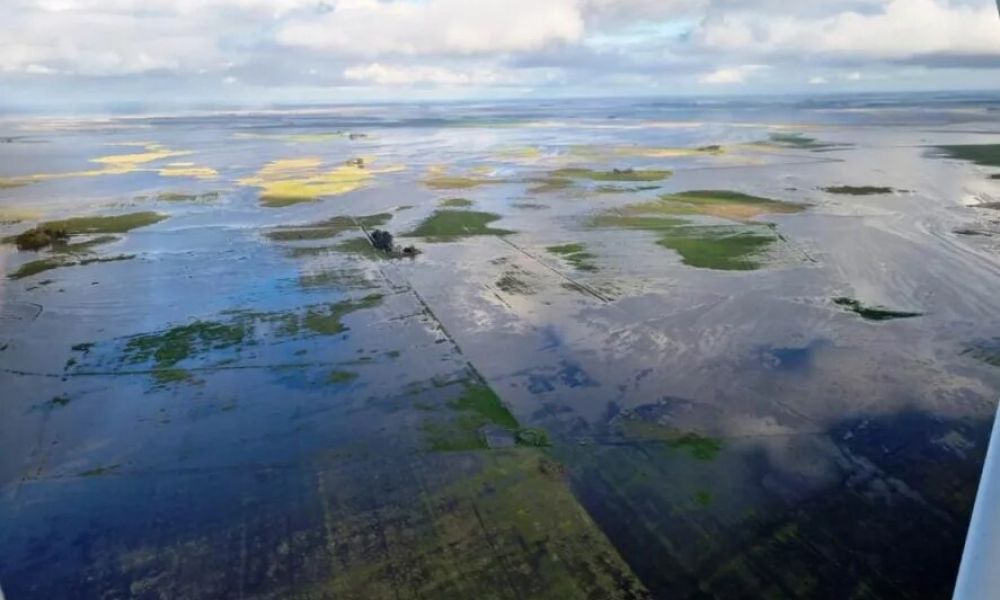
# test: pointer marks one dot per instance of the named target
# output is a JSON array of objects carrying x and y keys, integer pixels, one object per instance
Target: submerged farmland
[{"x": 683, "y": 353}]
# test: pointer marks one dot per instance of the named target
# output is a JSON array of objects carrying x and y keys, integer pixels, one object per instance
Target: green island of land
[
  {"x": 797, "y": 141},
  {"x": 447, "y": 225},
  {"x": 628, "y": 174},
  {"x": 51, "y": 232},
  {"x": 326, "y": 229},
  {"x": 725, "y": 247},
  {"x": 576, "y": 255},
  {"x": 456, "y": 203},
  {"x": 985, "y": 155},
  {"x": 859, "y": 190},
  {"x": 873, "y": 313}
]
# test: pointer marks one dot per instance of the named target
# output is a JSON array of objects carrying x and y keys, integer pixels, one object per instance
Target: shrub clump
[{"x": 38, "y": 238}]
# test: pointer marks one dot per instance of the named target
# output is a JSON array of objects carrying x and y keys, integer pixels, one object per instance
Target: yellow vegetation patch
[
  {"x": 724, "y": 204},
  {"x": 438, "y": 178},
  {"x": 291, "y": 181},
  {"x": 119, "y": 164},
  {"x": 644, "y": 151},
  {"x": 668, "y": 152},
  {"x": 522, "y": 153},
  {"x": 115, "y": 164},
  {"x": 188, "y": 170},
  {"x": 299, "y": 138},
  {"x": 16, "y": 215}
]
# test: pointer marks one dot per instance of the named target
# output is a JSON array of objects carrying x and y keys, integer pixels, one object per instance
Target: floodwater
[{"x": 549, "y": 401}]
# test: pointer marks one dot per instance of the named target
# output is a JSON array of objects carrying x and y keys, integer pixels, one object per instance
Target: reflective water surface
[{"x": 577, "y": 388}]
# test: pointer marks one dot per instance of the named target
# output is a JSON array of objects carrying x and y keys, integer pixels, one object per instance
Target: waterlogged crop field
[{"x": 643, "y": 351}]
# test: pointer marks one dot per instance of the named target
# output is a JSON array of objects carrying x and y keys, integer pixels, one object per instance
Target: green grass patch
[
  {"x": 576, "y": 255},
  {"x": 106, "y": 224},
  {"x": 360, "y": 246},
  {"x": 328, "y": 228},
  {"x": 719, "y": 248},
  {"x": 549, "y": 185},
  {"x": 38, "y": 238},
  {"x": 309, "y": 251},
  {"x": 303, "y": 233},
  {"x": 341, "y": 377},
  {"x": 328, "y": 320},
  {"x": 340, "y": 279},
  {"x": 181, "y": 197},
  {"x": 986, "y": 155},
  {"x": 716, "y": 247},
  {"x": 480, "y": 400},
  {"x": 165, "y": 377},
  {"x": 698, "y": 446},
  {"x": 83, "y": 247},
  {"x": 282, "y": 201},
  {"x": 57, "y": 235},
  {"x": 617, "y": 189},
  {"x": 457, "y": 435},
  {"x": 862, "y": 190},
  {"x": 612, "y": 175},
  {"x": 441, "y": 181},
  {"x": 873, "y": 313},
  {"x": 987, "y": 351},
  {"x": 532, "y": 437},
  {"x": 446, "y": 225},
  {"x": 56, "y": 232},
  {"x": 703, "y": 498},
  {"x": 456, "y": 203},
  {"x": 57, "y": 262},
  {"x": 100, "y": 471},
  {"x": 510, "y": 283},
  {"x": 166, "y": 349},
  {"x": 38, "y": 266},
  {"x": 451, "y": 182},
  {"x": 104, "y": 259},
  {"x": 477, "y": 406},
  {"x": 797, "y": 141},
  {"x": 617, "y": 220},
  {"x": 724, "y": 204}
]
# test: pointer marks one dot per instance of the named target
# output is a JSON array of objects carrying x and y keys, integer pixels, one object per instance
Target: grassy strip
[
  {"x": 612, "y": 175},
  {"x": 328, "y": 228},
  {"x": 873, "y": 313},
  {"x": 447, "y": 225},
  {"x": 863, "y": 190},
  {"x": 576, "y": 255},
  {"x": 985, "y": 155},
  {"x": 47, "y": 264}
]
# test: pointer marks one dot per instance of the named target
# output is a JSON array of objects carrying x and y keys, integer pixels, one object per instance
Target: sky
[{"x": 66, "y": 55}]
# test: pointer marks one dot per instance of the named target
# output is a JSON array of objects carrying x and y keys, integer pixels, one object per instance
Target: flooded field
[{"x": 642, "y": 350}]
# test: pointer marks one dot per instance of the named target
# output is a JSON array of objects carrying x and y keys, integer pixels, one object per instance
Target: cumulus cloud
[
  {"x": 379, "y": 74},
  {"x": 374, "y": 28},
  {"x": 888, "y": 30},
  {"x": 482, "y": 44},
  {"x": 731, "y": 75},
  {"x": 84, "y": 38}
]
